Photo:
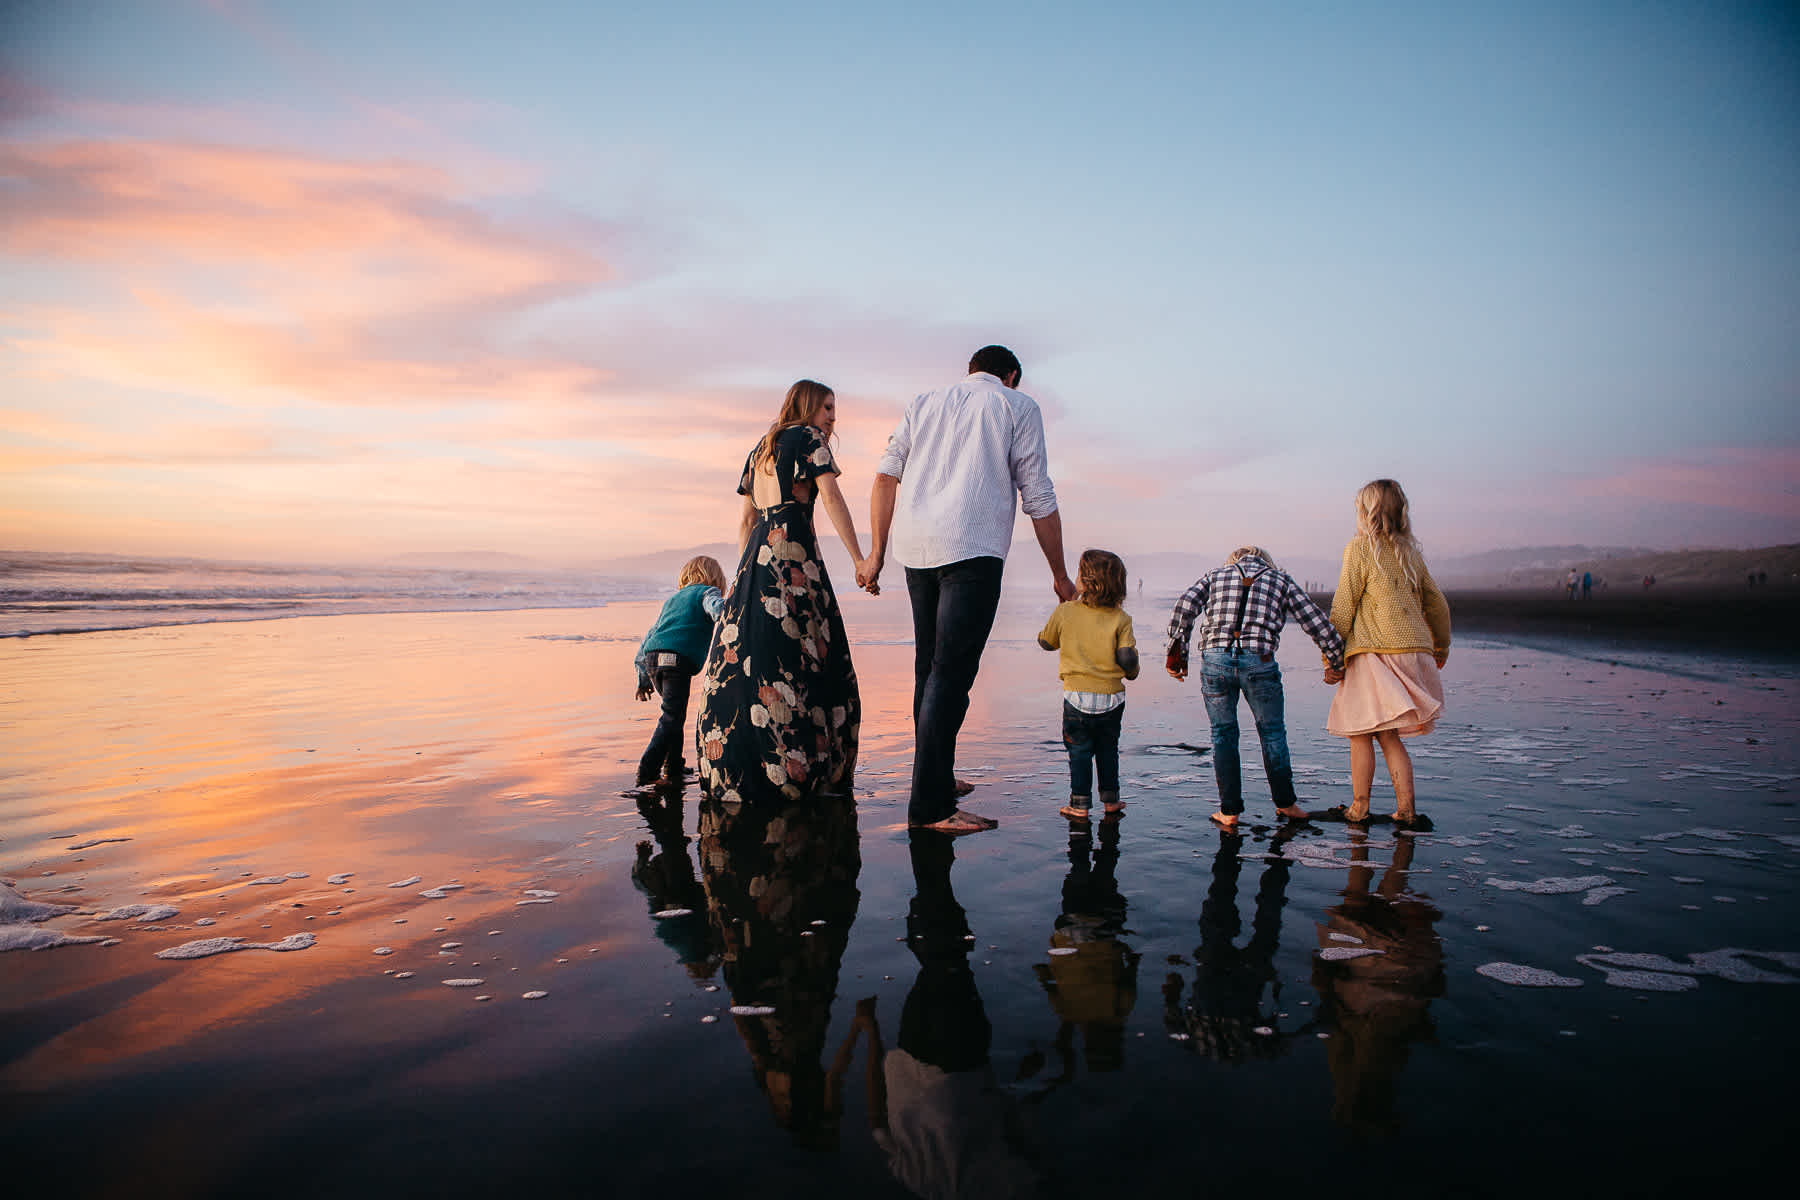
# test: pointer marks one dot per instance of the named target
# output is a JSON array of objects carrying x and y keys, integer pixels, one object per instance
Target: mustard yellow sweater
[{"x": 1378, "y": 612}]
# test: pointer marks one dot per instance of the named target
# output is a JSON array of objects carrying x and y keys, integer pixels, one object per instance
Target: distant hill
[
  {"x": 463, "y": 560},
  {"x": 1548, "y": 566}
]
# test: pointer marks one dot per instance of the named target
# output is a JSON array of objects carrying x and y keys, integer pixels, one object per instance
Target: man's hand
[
  {"x": 1065, "y": 588},
  {"x": 868, "y": 573}
]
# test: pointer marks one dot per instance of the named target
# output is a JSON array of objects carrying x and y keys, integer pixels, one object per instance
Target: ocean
[{"x": 50, "y": 593}]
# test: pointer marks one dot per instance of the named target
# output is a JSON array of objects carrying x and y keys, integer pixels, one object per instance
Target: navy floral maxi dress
[{"x": 779, "y": 710}]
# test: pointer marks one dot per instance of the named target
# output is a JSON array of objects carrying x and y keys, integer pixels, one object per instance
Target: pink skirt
[{"x": 1401, "y": 692}]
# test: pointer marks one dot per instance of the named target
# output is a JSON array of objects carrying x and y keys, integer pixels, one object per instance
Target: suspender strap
[{"x": 1237, "y": 622}]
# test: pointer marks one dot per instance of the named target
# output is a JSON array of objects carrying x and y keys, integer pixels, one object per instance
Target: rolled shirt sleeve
[{"x": 1030, "y": 466}]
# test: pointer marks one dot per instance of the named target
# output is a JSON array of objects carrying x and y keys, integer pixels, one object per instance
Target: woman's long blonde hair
[
  {"x": 799, "y": 407},
  {"x": 1382, "y": 516}
]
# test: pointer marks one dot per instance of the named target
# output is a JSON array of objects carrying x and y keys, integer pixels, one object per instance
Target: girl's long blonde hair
[
  {"x": 801, "y": 404},
  {"x": 1382, "y": 516}
]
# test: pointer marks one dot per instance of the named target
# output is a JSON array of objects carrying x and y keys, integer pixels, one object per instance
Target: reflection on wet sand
[
  {"x": 1226, "y": 1017},
  {"x": 666, "y": 876},
  {"x": 1376, "y": 1003},
  {"x": 1091, "y": 978},
  {"x": 946, "y": 1126},
  {"x": 780, "y": 887}
]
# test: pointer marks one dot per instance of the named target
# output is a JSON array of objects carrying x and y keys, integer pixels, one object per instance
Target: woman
[{"x": 780, "y": 710}]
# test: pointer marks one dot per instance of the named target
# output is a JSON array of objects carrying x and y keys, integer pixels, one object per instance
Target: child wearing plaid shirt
[{"x": 1242, "y": 607}]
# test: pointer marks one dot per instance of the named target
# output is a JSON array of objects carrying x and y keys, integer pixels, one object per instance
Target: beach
[{"x": 473, "y": 960}]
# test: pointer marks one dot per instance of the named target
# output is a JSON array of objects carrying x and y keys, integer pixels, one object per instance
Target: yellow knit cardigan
[{"x": 1378, "y": 612}]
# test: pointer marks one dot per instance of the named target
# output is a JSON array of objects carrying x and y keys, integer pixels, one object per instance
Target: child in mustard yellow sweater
[
  {"x": 1396, "y": 630},
  {"x": 1099, "y": 652}
]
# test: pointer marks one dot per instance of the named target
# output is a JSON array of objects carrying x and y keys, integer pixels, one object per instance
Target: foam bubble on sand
[
  {"x": 450, "y": 946},
  {"x": 666, "y": 913},
  {"x": 532, "y": 900},
  {"x": 1570, "y": 831},
  {"x": 709, "y": 1019},
  {"x": 1344, "y": 937},
  {"x": 269, "y": 879},
  {"x": 1600, "y": 895},
  {"x": 16, "y": 909},
  {"x": 542, "y": 893},
  {"x": 1519, "y": 976},
  {"x": 206, "y": 921},
  {"x": 1343, "y": 953},
  {"x": 382, "y": 950},
  {"x": 30, "y": 937},
  {"x": 534, "y": 995},
  {"x": 206, "y": 947},
  {"x": 407, "y": 882},
  {"x": 340, "y": 879},
  {"x": 1554, "y": 886},
  {"x": 1730, "y": 964},
  {"x": 464, "y": 982},
  {"x": 1686, "y": 879},
  {"x": 91, "y": 842},
  {"x": 752, "y": 1010},
  {"x": 140, "y": 912},
  {"x": 403, "y": 975},
  {"x": 299, "y": 875},
  {"x": 1059, "y": 951}
]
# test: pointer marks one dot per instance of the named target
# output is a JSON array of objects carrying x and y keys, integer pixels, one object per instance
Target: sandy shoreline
[
  {"x": 337, "y": 777},
  {"x": 1740, "y": 619}
]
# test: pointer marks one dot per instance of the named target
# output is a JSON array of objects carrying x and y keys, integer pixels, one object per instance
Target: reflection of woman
[
  {"x": 780, "y": 896},
  {"x": 780, "y": 709},
  {"x": 1377, "y": 1002}
]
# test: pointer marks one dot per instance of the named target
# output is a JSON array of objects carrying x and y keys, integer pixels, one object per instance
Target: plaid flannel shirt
[{"x": 1272, "y": 598}]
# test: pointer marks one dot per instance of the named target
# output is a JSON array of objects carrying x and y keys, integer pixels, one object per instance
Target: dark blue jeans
[
  {"x": 673, "y": 684},
  {"x": 1093, "y": 741},
  {"x": 1223, "y": 675},
  {"x": 953, "y": 610}
]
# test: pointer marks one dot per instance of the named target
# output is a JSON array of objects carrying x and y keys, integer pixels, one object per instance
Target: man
[{"x": 944, "y": 489}]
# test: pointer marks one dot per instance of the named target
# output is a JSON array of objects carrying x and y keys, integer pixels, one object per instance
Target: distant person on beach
[
  {"x": 1099, "y": 652},
  {"x": 945, "y": 492},
  {"x": 1242, "y": 607},
  {"x": 1396, "y": 630},
  {"x": 780, "y": 711},
  {"x": 1587, "y": 585},
  {"x": 1571, "y": 582},
  {"x": 669, "y": 658}
]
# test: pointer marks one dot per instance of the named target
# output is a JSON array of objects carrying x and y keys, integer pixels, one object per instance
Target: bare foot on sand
[
  {"x": 1293, "y": 812},
  {"x": 962, "y": 822},
  {"x": 963, "y": 787},
  {"x": 1224, "y": 822}
]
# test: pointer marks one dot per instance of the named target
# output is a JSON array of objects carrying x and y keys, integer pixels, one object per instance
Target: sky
[{"x": 340, "y": 281}]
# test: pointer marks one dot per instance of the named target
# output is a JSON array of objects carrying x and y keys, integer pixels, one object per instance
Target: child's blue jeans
[
  {"x": 1224, "y": 674},
  {"x": 1093, "y": 741}
]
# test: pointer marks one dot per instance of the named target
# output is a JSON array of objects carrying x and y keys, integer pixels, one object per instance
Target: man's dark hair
[{"x": 997, "y": 361}]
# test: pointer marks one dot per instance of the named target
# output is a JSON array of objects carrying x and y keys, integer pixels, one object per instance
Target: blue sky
[{"x": 553, "y": 263}]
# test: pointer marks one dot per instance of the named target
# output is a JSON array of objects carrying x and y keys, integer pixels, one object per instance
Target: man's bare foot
[
  {"x": 1115, "y": 808},
  {"x": 1293, "y": 812},
  {"x": 961, "y": 822},
  {"x": 1223, "y": 821}
]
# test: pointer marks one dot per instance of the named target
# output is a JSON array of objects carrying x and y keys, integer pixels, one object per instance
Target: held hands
[
  {"x": 1065, "y": 588},
  {"x": 1334, "y": 675},
  {"x": 868, "y": 573}
]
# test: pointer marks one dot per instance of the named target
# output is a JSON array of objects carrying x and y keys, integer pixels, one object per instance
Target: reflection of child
[
  {"x": 1091, "y": 977},
  {"x": 1099, "y": 652},
  {"x": 1396, "y": 630},
  {"x": 671, "y": 656}
]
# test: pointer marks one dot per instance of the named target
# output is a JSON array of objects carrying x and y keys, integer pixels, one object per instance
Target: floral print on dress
[{"x": 780, "y": 714}]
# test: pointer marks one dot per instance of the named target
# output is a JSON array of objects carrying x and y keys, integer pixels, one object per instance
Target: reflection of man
[
  {"x": 1378, "y": 1002},
  {"x": 944, "y": 490},
  {"x": 947, "y": 1127}
]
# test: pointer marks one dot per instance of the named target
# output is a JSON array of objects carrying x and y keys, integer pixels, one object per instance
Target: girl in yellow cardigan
[{"x": 1396, "y": 630}]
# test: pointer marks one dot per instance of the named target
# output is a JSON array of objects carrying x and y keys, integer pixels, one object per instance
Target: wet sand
[
  {"x": 1743, "y": 620},
  {"x": 1146, "y": 1005}
]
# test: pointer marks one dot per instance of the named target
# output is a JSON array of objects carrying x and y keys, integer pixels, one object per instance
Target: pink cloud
[{"x": 1761, "y": 480}]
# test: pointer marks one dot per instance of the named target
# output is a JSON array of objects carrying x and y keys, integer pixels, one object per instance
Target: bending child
[
  {"x": 1099, "y": 652},
  {"x": 1242, "y": 607},
  {"x": 671, "y": 656},
  {"x": 1396, "y": 629}
]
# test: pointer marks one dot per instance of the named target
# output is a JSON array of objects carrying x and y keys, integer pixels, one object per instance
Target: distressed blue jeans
[{"x": 1224, "y": 675}]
